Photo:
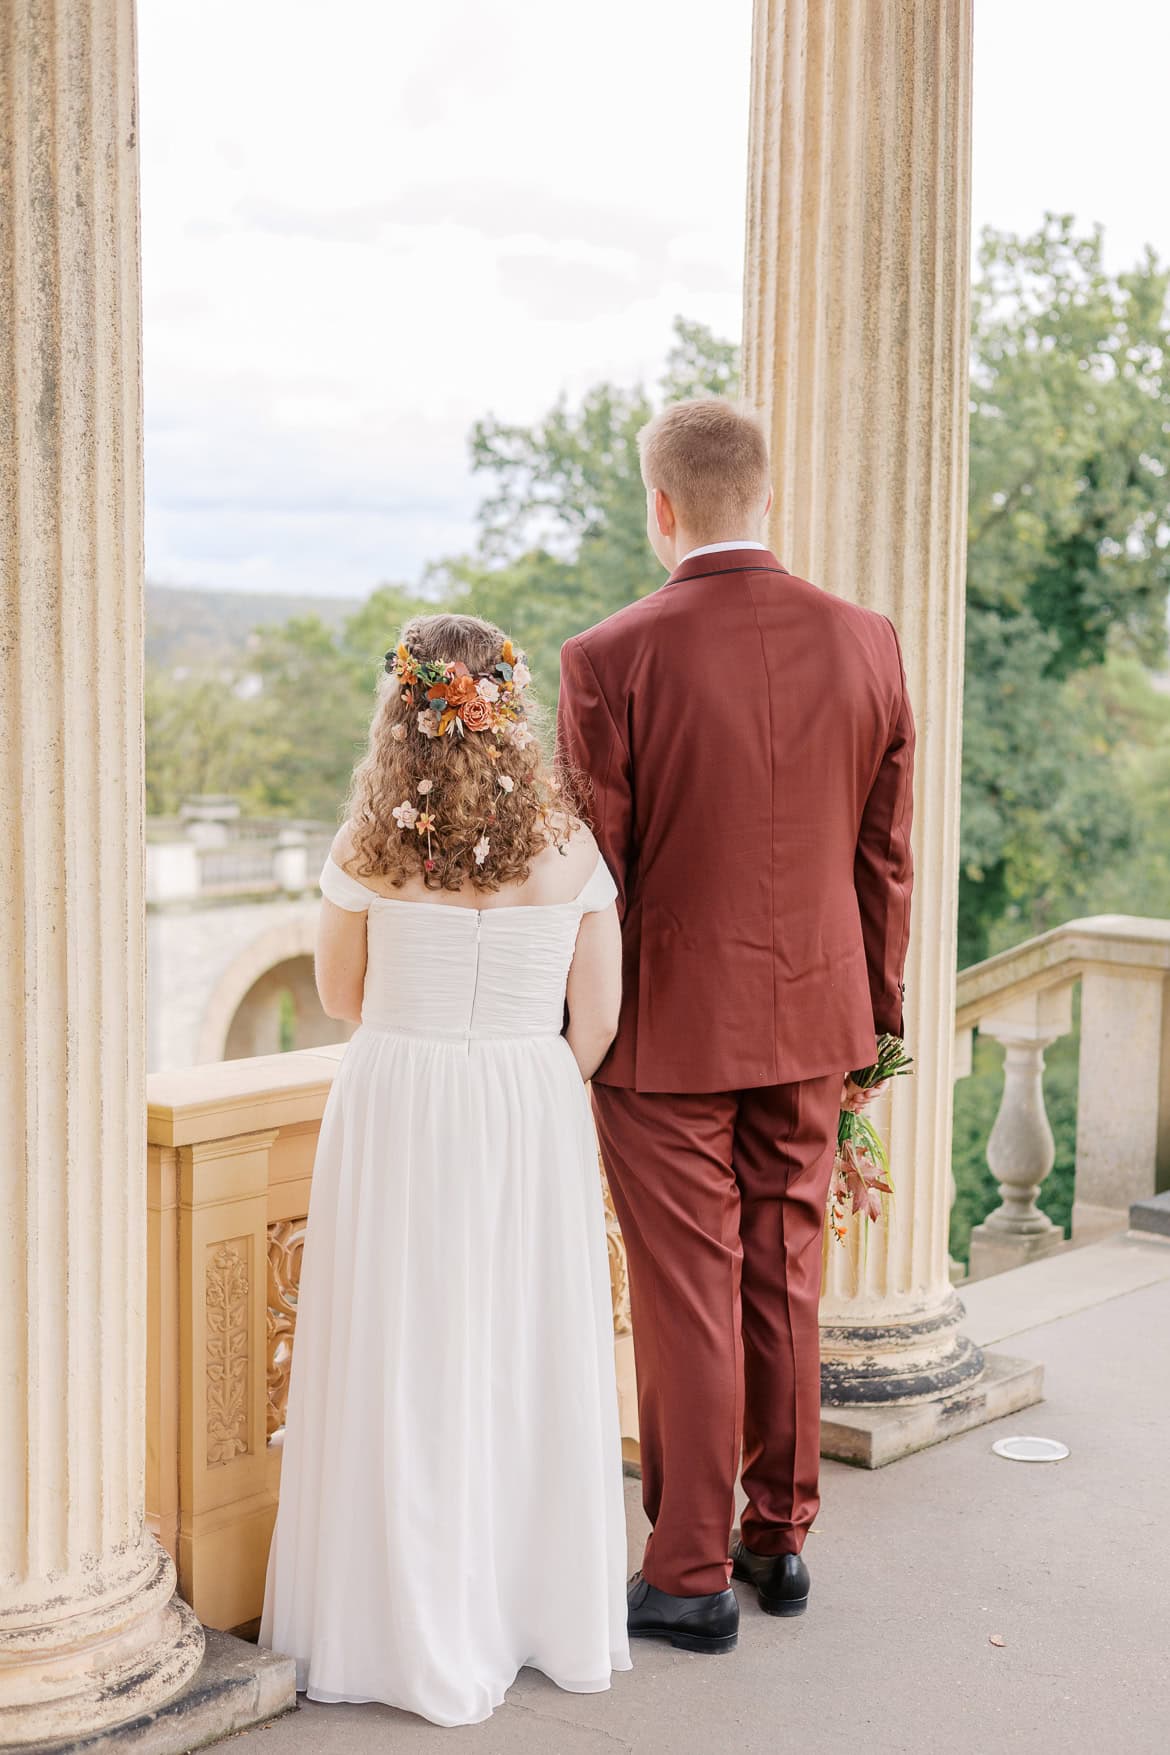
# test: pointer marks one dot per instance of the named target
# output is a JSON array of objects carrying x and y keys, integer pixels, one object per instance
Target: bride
[{"x": 451, "y": 1502}]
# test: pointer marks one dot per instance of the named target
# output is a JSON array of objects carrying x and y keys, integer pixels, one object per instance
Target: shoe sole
[
  {"x": 701, "y": 1642},
  {"x": 770, "y": 1605}
]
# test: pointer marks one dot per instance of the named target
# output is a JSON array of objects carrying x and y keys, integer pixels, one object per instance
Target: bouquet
[{"x": 861, "y": 1174}]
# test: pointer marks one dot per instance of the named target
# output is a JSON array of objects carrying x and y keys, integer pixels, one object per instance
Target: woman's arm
[
  {"x": 594, "y": 991},
  {"x": 339, "y": 962}
]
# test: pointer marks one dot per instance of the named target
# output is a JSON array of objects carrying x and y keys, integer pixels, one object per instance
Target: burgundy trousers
[{"x": 721, "y": 1200}]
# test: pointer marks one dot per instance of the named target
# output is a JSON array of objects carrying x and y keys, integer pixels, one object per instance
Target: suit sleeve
[
  {"x": 590, "y": 744},
  {"x": 883, "y": 870}
]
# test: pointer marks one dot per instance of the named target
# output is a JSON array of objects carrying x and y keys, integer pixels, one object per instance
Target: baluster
[{"x": 1021, "y": 1150}]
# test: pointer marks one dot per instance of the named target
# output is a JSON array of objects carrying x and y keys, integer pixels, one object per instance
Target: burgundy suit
[{"x": 749, "y": 744}]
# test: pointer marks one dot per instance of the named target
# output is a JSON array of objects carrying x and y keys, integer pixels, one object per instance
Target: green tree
[
  {"x": 317, "y": 697},
  {"x": 563, "y": 524},
  {"x": 1068, "y": 559},
  {"x": 203, "y": 735}
]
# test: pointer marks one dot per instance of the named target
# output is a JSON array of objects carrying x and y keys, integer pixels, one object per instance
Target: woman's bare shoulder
[{"x": 561, "y": 868}]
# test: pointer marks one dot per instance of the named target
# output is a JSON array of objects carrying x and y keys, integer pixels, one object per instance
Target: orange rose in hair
[
  {"x": 459, "y": 689},
  {"x": 476, "y": 715}
]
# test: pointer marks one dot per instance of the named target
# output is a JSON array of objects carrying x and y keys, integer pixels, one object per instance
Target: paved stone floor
[{"x": 915, "y": 1567}]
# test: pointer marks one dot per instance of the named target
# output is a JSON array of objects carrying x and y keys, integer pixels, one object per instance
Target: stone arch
[{"x": 289, "y": 943}]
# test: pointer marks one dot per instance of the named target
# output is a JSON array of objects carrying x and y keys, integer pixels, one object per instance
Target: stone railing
[
  {"x": 256, "y": 858},
  {"x": 1023, "y": 998},
  {"x": 230, "y": 1163}
]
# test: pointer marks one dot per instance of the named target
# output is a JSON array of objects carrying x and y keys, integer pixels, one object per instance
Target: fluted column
[
  {"x": 90, "y": 1631},
  {"x": 855, "y": 346}
]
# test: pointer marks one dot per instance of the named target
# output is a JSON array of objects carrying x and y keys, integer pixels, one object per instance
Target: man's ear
[
  {"x": 664, "y": 513},
  {"x": 768, "y": 502}
]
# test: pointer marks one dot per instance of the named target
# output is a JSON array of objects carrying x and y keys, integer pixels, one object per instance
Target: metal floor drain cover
[{"x": 1030, "y": 1449}]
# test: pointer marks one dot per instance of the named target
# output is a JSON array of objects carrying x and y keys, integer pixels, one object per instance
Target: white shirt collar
[{"x": 715, "y": 548}]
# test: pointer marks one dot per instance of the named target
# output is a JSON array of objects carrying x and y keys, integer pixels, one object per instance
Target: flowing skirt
[{"x": 451, "y": 1504}]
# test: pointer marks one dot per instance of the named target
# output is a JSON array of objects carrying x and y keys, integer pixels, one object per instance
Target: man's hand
[{"x": 855, "y": 1098}]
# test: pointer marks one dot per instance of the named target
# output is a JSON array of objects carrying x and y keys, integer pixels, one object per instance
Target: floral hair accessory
[
  {"x": 425, "y": 825},
  {"x": 453, "y": 701}
]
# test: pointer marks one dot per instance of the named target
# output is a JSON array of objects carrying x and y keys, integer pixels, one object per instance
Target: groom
[{"x": 749, "y": 743}]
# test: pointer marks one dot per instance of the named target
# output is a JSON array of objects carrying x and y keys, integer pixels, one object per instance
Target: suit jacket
[{"x": 749, "y": 746}]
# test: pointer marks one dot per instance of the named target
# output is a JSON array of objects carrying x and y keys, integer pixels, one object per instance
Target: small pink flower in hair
[
  {"x": 481, "y": 849},
  {"x": 405, "y": 815},
  {"x": 398, "y": 733},
  {"x": 506, "y": 782},
  {"x": 521, "y": 736},
  {"x": 428, "y": 722},
  {"x": 521, "y": 676},
  {"x": 424, "y": 786},
  {"x": 487, "y": 690}
]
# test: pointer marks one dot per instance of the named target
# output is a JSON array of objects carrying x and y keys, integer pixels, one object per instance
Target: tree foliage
[
  {"x": 563, "y": 523},
  {"x": 1068, "y": 560},
  {"x": 1064, "y": 741},
  {"x": 1066, "y": 735}
]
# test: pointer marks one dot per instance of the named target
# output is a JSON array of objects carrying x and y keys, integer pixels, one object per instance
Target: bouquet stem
[{"x": 861, "y": 1174}]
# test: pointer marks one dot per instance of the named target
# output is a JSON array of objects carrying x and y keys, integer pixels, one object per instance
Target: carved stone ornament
[{"x": 227, "y": 1288}]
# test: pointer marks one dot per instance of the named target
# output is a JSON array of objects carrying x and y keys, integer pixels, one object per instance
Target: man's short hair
[{"x": 711, "y": 459}]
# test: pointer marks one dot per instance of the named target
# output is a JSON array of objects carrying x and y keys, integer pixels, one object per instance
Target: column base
[
  {"x": 872, "y": 1436},
  {"x": 103, "y": 1657},
  {"x": 912, "y": 1356},
  {"x": 236, "y": 1686},
  {"x": 994, "y": 1251}
]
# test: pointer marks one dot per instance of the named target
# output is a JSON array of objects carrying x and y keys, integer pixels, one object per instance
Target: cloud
[
  {"x": 555, "y": 290},
  {"x": 357, "y": 240},
  {"x": 495, "y": 211}
]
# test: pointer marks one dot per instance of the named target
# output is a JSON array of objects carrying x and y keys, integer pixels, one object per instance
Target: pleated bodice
[{"x": 462, "y": 974}]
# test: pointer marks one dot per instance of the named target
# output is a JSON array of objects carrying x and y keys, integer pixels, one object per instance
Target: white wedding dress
[{"x": 451, "y": 1504}]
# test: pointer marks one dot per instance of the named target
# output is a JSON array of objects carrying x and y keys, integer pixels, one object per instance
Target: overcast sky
[{"x": 366, "y": 223}]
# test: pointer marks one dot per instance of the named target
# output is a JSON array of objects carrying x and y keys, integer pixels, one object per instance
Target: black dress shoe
[
  {"x": 709, "y": 1623},
  {"x": 781, "y": 1580}
]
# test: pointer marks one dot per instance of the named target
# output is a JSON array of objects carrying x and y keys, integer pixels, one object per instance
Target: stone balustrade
[
  {"x": 229, "y": 1167},
  {"x": 1023, "y": 998},
  {"x": 256, "y": 859},
  {"x": 230, "y": 1159}
]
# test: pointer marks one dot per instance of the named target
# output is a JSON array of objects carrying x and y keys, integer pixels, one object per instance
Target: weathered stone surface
[
  {"x": 90, "y": 1630},
  {"x": 874, "y": 1436},
  {"x": 235, "y": 1686},
  {"x": 1152, "y": 1215},
  {"x": 1123, "y": 1100}
]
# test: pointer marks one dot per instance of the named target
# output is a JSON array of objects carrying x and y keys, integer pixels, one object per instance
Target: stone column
[
  {"x": 855, "y": 353},
  {"x": 91, "y": 1633}
]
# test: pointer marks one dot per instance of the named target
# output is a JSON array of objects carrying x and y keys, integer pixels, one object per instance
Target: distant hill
[{"x": 186, "y": 624}]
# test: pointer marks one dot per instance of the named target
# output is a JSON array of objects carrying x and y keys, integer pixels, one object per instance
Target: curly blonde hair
[{"x": 469, "y": 796}]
